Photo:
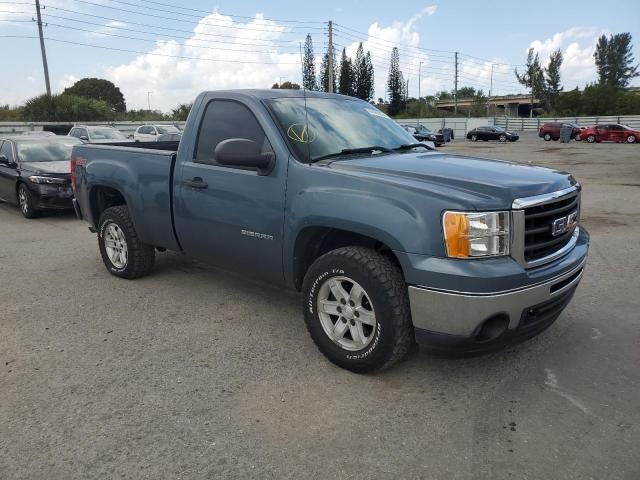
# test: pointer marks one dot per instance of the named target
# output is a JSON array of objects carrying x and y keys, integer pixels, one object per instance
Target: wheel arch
[
  {"x": 314, "y": 241},
  {"x": 102, "y": 197}
]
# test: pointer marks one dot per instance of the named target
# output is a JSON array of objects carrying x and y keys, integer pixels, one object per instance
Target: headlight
[
  {"x": 38, "y": 179},
  {"x": 469, "y": 235}
]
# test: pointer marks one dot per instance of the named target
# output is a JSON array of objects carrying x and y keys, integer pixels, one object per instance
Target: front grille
[{"x": 539, "y": 240}]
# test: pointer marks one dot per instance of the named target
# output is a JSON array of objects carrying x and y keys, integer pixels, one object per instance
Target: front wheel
[
  {"x": 356, "y": 309},
  {"x": 26, "y": 203},
  {"x": 502, "y": 138},
  {"x": 122, "y": 252},
  {"x": 547, "y": 137},
  {"x": 631, "y": 139},
  {"x": 474, "y": 138},
  {"x": 591, "y": 139}
]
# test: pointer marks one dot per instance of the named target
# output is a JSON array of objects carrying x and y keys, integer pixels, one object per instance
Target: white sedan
[{"x": 149, "y": 133}]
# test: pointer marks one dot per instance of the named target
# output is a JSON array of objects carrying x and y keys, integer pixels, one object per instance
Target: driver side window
[{"x": 223, "y": 120}]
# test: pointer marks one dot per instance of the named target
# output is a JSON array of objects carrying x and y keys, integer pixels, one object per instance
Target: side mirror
[
  {"x": 241, "y": 152},
  {"x": 84, "y": 138}
]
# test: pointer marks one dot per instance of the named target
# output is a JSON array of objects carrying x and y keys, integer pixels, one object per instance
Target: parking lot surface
[{"x": 196, "y": 373}]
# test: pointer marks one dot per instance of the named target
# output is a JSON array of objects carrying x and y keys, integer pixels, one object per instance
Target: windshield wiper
[
  {"x": 409, "y": 146},
  {"x": 350, "y": 151}
]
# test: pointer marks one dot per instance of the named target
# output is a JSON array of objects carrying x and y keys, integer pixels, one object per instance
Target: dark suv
[{"x": 551, "y": 131}]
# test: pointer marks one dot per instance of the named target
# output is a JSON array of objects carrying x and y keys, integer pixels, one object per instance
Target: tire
[
  {"x": 502, "y": 138},
  {"x": 387, "y": 335},
  {"x": 122, "y": 252},
  {"x": 631, "y": 139},
  {"x": 591, "y": 139},
  {"x": 474, "y": 138},
  {"x": 25, "y": 202},
  {"x": 547, "y": 137}
]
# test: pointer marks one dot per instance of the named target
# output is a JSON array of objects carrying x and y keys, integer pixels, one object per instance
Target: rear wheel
[
  {"x": 356, "y": 309},
  {"x": 631, "y": 139},
  {"x": 122, "y": 252},
  {"x": 26, "y": 203},
  {"x": 547, "y": 137},
  {"x": 502, "y": 138}
]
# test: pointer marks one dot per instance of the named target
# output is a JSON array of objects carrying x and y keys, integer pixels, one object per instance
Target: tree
[
  {"x": 466, "y": 92},
  {"x": 532, "y": 77},
  {"x": 614, "y": 60},
  {"x": 309, "y": 66},
  {"x": 345, "y": 83},
  {"x": 553, "y": 86},
  {"x": 181, "y": 112},
  {"x": 287, "y": 86},
  {"x": 363, "y": 75},
  {"x": 323, "y": 81},
  {"x": 66, "y": 108},
  {"x": 99, "y": 89},
  {"x": 395, "y": 84}
]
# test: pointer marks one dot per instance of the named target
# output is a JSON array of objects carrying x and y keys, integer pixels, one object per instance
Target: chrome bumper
[{"x": 462, "y": 313}]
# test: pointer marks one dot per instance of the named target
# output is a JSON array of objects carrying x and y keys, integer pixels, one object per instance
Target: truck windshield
[{"x": 330, "y": 126}]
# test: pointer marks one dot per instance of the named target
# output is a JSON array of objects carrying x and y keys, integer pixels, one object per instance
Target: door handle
[{"x": 196, "y": 183}]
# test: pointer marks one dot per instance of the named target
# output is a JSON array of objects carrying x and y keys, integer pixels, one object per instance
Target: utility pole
[
  {"x": 330, "y": 55},
  {"x": 149, "y": 100},
  {"x": 44, "y": 53},
  {"x": 490, "y": 90},
  {"x": 419, "y": 99},
  {"x": 455, "y": 86}
]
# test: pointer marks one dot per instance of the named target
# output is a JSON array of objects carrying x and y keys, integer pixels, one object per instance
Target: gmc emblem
[{"x": 564, "y": 224}]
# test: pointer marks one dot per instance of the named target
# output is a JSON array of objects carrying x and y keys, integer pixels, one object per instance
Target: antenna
[{"x": 306, "y": 115}]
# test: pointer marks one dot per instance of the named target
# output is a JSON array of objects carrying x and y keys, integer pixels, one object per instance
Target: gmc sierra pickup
[{"x": 388, "y": 241}]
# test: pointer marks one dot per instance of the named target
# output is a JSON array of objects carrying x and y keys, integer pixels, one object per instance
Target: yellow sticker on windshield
[{"x": 299, "y": 132}]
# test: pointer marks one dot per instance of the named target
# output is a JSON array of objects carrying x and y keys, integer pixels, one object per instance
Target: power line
[
  {"x": 152, "y": 53},
  {"x": 171, "y": 37},
  {"x": 146, "y": 14},
  {"x": 157, "y": 27},
  {"x": 229, "y": 15}
]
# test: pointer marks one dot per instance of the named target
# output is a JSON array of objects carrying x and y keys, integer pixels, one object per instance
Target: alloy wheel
[
  {"x": 346, "y": 313},
  {"x": 116, "y": 245}
]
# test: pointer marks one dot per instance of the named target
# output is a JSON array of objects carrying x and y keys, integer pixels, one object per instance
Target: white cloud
[
  {"x": 210, "y": 66},
  {"x": 381, "y": 40},
  {"x": 577, "y": 45}
]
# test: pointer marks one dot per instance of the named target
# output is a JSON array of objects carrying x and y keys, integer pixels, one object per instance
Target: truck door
[{"x": 231, "y": 217}]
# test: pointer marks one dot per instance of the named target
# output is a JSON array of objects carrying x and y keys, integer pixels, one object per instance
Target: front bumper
[
  {"x": 52, "y": 197},
  {"x": 480, "y": 319}
]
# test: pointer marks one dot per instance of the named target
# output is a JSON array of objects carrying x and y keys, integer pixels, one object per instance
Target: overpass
[{"x": 507, "y": 105}]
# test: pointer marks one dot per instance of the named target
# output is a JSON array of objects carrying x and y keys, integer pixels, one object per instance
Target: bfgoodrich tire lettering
[
  {"x": 387, "y": 338},
  {"x": 139, "y": 257}
]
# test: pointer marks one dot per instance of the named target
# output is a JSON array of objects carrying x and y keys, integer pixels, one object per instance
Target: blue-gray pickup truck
[{"x": 389, "y": 242}]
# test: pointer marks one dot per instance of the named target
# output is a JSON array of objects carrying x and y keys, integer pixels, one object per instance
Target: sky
[{"x": 161, "y": 55}]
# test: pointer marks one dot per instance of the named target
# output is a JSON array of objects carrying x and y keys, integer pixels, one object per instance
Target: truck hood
[
  {"x": 476, "y": 182},
  {"x": 63, "y": 167}
]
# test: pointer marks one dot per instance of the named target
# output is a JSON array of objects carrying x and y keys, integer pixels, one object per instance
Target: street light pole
[{"x": 149, "y": 100}]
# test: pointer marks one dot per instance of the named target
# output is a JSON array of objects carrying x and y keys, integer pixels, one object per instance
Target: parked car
[
  {"x": 169, "y": 137},
  {"x": 491, "y": 133},
  {"x": 551, "y": 130},
  {"x": 611, "y": 132},
  {"x": 423, "y": 134},
  {"x": 34, "y": 172},
  {"x": 97, "y": 134},
  {"x": 388, "y": 241},
  {"x": 150, "y": 133},
  {"x": 38, "y": 133},
  {"x": 444, "y": 132}
]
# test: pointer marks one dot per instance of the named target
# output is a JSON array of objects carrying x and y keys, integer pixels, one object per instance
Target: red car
[
  {"x": 551, "y": 130},
  {"x": 611, "y": 132}
]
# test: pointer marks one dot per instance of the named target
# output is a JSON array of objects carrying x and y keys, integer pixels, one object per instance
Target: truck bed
[{"x": 143, "y": 173}]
